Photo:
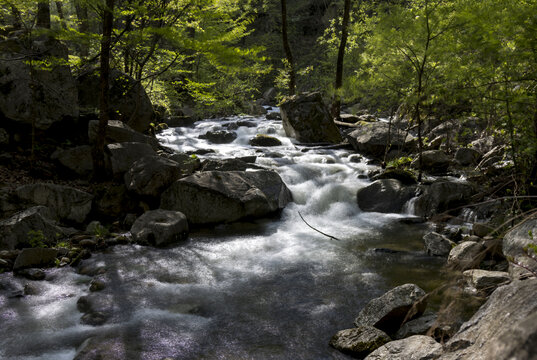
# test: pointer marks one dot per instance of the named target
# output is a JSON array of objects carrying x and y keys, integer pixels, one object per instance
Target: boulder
[
  {"x": 485, "y": 281},
  {"x": 67, "y": 203},
  {"x": 437, "y": 244},
  {"x": 187, "y": 163},
  {"x": 404, "y": 176},
  {"x": 385, "y": 196},
  {"x": 306, "y": 118},
  {"x": 14, "y": 232},
  {"x": 505, "y": 327},
  {"x": 104, "y": 347},
  {"x": 417, "y": 347},
  {"x": 349, "y": 118},
  {"x": 123, "y": 155},
  {"x": 513, "y": 245},
  {"x": 128, "y": 99},
  {"x": 119, "y": 132},
  {"x": 113, "y": 200},
  {"x": 273, "y": 116},
  {"x": 77, "y": 159},
  {"x": 466, "y": 255},
  {"x": 219, "y": 136},
  {"x": 433, "y": 161},
  {"x": 371, "y": 138},
  {"x": 151, "y": 175},
  {"x": 359, "y": 341},
  {"x": 160, "y": 228},
  {"x": 441, "y": 196},
  {"x": 35, "y": 257},
  {"x": 481, "y": 230},
  {"x": 388, "y": 312},
  {"x": 54, "y": 86},
  {"x": 467, "y": 156},
  {"x": 219, "y": 196},
  {"x": 227, "y": 165},
  {"x": 419, "y": 326},
  {"x": 264, "y": 140},
  {"x": 32, "y": 274}
]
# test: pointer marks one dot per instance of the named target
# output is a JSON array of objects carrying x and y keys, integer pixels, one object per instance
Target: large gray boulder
[
  {"x": 113, "y": 200},
  {"x": 437, "y": 244},
  {"x": 187, "y": 163},
  {"x": 160, "y": 227},
  {"x": 419, "y": 326},
  {"x": 513, "y": 245},
  {"x": 226, "y": 196},
  {"x": 35, "y": 257},
  {"x": 441, "y": 196},
  {"x": 388, "y": 312},
  {"x": 467, "y": 156},
  {"x": 219, "y": 136},
  {"x": 128, "y": 99},
  {"x": 359, "y": 341},
  {"x": 485, "y": 281},
  {"x": 417, "y": 347},
  {"x": 119, "y": 132},
  {"x": 505, "y": 327},
  {"x": 466, "y": 255},
  {"x": 306, "y": 118},
  {"x": 15, "y": 232},
  {"x": 103, "y": 347},
  {"x": 123, "y": 155},
  {"x": 55, "y": 86},
  {"x": 67, "y": 203},
  {"x": 433, "y": 161},
  {"x": 151, "y": 175},
  {"x": 227, "y": 165},
  {"x": 385, "y": 196},
  {"x": 371, "y": 138},
  {"x": 77, "y": 159}
]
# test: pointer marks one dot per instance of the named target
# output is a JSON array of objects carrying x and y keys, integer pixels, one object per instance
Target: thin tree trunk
[
  {"x": 99, "y": 171},
  {"x": 336, "y": 105},
  {"x": 43, "y": 14},
  {"x": 287, "y": 49},
  {"x": 59, "y": 8},
  {"x": 17, "y": 24},
  {"x": 83, "y": 25}
]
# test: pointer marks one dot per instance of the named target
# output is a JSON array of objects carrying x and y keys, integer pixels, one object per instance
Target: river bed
[{"x": 266, "y": 289}]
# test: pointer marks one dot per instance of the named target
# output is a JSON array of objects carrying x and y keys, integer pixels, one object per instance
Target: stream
[{"x": 266, "y": 289}]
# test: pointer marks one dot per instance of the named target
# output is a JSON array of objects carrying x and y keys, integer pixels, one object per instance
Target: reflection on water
[{"x": 266, "y": 289}]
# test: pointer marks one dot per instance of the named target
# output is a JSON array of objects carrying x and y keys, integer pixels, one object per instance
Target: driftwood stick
[{"x": 320, "y": 232}]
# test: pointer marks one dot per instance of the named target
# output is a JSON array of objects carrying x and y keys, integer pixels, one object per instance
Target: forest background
[{"x": 426, "y": 60}]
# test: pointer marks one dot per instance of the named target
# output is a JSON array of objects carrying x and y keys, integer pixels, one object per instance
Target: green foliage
[
  {"x": 400, "y": 163},
  {"x": 37, "y": 239},
  {"x": 100, "y": 232}
]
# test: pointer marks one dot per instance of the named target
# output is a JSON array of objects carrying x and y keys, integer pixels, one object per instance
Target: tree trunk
[
  {"x": 83, "y": 27},
  {"x": 99, "y": 171},
  {"x": 336, "y": 105},
  {"x": 287, "y": 49},
  {"x": 59, "y": 8},
  {"x": 43, "y": 14},
  {"x": 17, "y": 24}
]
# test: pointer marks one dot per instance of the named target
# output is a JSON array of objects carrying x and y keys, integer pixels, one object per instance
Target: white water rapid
[{"x": 267, "y": 289}]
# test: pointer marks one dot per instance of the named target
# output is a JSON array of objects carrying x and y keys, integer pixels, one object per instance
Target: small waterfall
[{"x": 410, "y": 206}]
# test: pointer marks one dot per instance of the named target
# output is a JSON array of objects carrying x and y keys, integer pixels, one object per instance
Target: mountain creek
[{"x": 271, "y": 288}]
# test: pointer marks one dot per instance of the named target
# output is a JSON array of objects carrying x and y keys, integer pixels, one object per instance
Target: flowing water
[{"x": 266, "y": 289}]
